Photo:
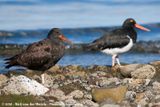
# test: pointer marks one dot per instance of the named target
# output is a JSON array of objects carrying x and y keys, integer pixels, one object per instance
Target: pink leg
[{"x": 113, "y": 60}]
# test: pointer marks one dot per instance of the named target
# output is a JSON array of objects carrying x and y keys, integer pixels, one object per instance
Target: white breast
[{"x": 115, "y": 51}]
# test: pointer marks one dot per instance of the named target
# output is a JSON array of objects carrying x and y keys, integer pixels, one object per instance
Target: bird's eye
[{"x": 131, "y": 21}]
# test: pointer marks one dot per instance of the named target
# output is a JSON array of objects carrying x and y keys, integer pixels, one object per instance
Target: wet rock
[
  {"x": 77, "y": 94},
  {"x": 23, "y": 85},
  {"x": 89, "y": 103},
  {"x": 130, "y": 96},
  {"x": 127, "y": 69},
  {"x": 56, "y": 93},
  {"x": 144, "y": 72},
  {"x": 3, "y": 79},
  {"x": 116, "y": 94}
]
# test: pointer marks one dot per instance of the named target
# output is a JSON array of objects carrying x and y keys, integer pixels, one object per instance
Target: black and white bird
[
  {"x": 118, "y": 40},
  {"x": 41, "y": 55}
]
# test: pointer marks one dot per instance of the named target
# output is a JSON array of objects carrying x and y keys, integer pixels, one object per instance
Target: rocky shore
[{"x": 134, "y": 85}]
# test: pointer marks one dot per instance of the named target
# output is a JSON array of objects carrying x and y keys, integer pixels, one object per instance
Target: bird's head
[
  {"x": 56, "y": 34},
  {"x": 131, "y": 23}
]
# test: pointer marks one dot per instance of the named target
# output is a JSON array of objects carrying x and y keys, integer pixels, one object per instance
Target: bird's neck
[
  {"x": 131, "y": 33},
  {"x": 55, "y": 40}
]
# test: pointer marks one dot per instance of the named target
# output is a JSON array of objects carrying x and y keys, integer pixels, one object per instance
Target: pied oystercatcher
[{"x": 118, "y": 40}]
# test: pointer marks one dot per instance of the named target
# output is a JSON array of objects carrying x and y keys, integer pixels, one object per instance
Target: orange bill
[
  {"x": 141, "y": 27},
  {"x": 63, "y": 38}
]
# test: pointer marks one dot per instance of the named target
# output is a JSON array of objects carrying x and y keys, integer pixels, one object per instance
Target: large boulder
[
  {"x": 127, "y": 69},
  {"x": 115, "y": 94},
  {"x": 144, "y": 72},
  {"x": 22, "y": 85}
]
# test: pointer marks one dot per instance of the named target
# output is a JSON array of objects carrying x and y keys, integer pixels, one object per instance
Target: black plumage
[
  {"x": 41, "y": 55},
  {"x": 117, "y": 41}
]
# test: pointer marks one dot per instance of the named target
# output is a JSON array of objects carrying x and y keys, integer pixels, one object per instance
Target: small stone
[
  {"x": 78, "y": 105},
  {"x": 77, "y": 94},
  {"x": 3, "y": 79},
  {"x": 142, "y": 103},
  {"x": 70, "y": 102},
  {"x": 156, "y": 87},
  {"x": 89, "y": 103},
  {"x": 48, "y": 80},
  {"x": 57, "y": 93},
  {"x": 108, "y": 81},
  {"x": 55, "y": 68},
  {"x": 110, "y": 105},
  {"x": 88, "y": 96},
  {"x": 144, "y": 72},
  {"x": 116, "y": 94},
  {"x": 157, "y": 98},
  {"x": 59, "y": 104},
  {"x": 130, "y": 96},
  {"x": 55, "y": 86}
]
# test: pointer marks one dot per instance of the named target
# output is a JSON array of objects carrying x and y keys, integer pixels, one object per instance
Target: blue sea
[{"x": 37, "y": 15}]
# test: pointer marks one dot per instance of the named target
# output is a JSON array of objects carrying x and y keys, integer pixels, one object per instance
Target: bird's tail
[{"x": 10, "y": 62}]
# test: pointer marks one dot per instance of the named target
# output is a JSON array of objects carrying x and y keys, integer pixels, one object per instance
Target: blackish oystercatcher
[
  {"x": 41, "y": 55},
  {"x": 117, "y": 41}
]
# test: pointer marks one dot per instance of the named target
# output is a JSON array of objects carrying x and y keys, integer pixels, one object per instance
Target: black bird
[
  {"x": 41, "y": 55},
  {"x": 118, "y": 40}
]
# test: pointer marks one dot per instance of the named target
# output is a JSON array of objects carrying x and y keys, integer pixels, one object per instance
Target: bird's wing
[
  {"x": 110, "y": 40},
  {"x": 38, "y": 45}
]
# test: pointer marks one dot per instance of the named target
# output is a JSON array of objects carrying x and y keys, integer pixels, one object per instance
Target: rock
[
  {"x": 59, "y": 104},
  {"x": 144, "y": 72},
  {"x": 3, "y": 79},
  {"x": 70, "y": 102},
  {"x": 130, "y": 96},
  {"x": 156, "y": 63},
  {"x": 136, "y": 85},
  {"x": 127, "y": 69},
  {"x": 157, "y": 98},
  {"x": 56, "y": 93},
  {"x": 142, "y": 103},
  {"x": 88, "y": 96},
  {"x": 110, "y": 105},
  {"x": 78, "y": 105},
  {"x": 55, "y": 68},
  {"x": 77, "y": 94},
  {"x": 48, "y": 80},
  {"x": 23, "y": 85},
  {"x": 89, "y": 103},
  {"x": 108, "y": 81},
  {"x": 116, "y": 94},
  {"x": 156, "y": 87}
]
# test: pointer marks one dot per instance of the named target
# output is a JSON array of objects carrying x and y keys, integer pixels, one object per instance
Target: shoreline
[{"x": 77, "y": 86}]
